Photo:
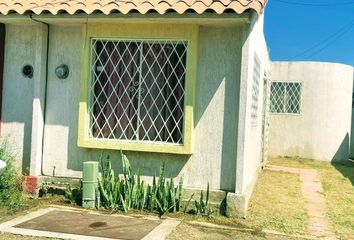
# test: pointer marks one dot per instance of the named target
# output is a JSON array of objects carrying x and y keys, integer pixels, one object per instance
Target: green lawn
[{"x": 338, "y": 184}]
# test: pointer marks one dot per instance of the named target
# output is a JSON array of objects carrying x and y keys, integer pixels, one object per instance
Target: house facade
[
  {"x": 311, "y": 110},
  {"x": 183, "y": 83}
]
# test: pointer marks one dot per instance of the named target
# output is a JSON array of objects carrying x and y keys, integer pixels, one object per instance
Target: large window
[
  {"x": 138, "y": 90},
  {"x": 285, "y": 97}
]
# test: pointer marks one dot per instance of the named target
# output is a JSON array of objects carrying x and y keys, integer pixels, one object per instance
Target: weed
[
  {"x": 74, "y": 196},
  {"x": 201, "y": 206}
]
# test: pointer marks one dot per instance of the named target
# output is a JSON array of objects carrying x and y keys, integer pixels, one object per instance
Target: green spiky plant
[
  {"x": 186, "y": 206},
  {"x": 129, "y": 192},
  {"x": 69, "y": 194},
  {"x": 202, "y": 206},
  {"x": 74, "y": 195}
]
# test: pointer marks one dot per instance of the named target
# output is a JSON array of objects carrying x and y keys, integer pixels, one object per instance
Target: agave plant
[
  {"x": 130, "y": 192},
  {"x": 201, "y": 206},
  {"x": 109, "y": 186}
]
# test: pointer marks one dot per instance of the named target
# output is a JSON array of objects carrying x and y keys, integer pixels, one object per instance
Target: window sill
[
  {"x": 135, "y": 146},
  {"x": 286, "y": 114}
]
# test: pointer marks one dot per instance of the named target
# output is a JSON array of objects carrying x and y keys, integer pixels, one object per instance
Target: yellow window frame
[{"x": 140, "y": 31}]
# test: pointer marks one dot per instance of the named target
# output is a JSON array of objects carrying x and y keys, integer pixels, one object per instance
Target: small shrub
[
  {"x": 11, "y": 194},
  {"x": 74, "y": 196}
]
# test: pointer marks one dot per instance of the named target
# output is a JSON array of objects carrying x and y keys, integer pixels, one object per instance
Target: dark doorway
[{"x": 2, "y": 56}]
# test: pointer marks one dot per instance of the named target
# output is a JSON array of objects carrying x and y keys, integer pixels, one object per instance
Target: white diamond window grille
[
  {"x": 255, "y": 90},
  {"x": 285, "y": 97},
  {"x": 137, "y": 90}
]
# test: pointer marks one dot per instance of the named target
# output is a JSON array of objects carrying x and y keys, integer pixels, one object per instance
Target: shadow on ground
[{"x": 346, "y": 169}]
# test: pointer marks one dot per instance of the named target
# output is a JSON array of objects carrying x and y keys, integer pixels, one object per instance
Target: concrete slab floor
[{"x": 76, "y": 224}]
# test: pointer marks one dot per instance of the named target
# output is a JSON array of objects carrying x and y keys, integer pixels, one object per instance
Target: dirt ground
[
  {"x": 186, "y": 231},
  {"x": 193, "y": 232}
]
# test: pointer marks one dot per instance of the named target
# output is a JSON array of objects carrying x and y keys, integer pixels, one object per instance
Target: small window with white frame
[
  {"x": 137, "y": 90},
  {"x": 255, "y": 90},
  {"x": 285, "y": 97}
]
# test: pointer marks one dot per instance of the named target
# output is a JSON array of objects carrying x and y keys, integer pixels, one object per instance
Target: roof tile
[{"x": 126, "y": 6}]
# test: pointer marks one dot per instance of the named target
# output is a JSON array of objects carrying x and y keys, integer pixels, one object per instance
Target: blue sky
[{"x": 310, "y": 33}]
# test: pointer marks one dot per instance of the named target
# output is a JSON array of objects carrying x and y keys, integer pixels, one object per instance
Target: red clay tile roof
[{"x": 126, "y": 6}]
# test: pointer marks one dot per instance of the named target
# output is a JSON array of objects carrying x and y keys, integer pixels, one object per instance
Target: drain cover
[{"x": 91, "y": 224}]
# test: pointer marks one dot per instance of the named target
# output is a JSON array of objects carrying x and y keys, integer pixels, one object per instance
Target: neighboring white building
[{"x": 311, "y": 110}]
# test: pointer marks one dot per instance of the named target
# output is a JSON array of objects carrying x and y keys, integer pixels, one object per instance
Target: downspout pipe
[{"x": 45, "y": 87}]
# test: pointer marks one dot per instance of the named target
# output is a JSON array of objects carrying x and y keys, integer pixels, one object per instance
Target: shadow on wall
[
  {"x": 148, "y": 164},
  {"x": 342, "y": 163},
  {"x": 221, "y": 61},
  {"x": 20, "y": 137},
  {"x": 216, "y": 74},
  {"x": 342, "y": 153},
  {"x": 351, "y": 153}
]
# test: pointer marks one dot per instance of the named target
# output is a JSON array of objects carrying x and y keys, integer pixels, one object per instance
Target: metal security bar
[
  {"x": 137, "y": 90},
  {"x": 285, "y": 97},
  {"x": 265, "y": 122},
  {"x": 255, "y": 90}
]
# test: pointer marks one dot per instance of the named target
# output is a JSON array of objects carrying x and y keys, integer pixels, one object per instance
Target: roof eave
[{"x": 192, "y": 18}]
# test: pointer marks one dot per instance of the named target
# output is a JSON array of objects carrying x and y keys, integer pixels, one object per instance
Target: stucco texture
[
  {"x": 18, "y": 91},
  {"x": 322, "y": 130},
  {"x": 214, "y": 157},
  {"x": 249, "y": 157},
  {"x": 227, "y": 144},
  {"x": 227, "y": 148}
]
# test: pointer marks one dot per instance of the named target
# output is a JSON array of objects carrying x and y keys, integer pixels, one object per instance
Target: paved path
[{"x": 315, "y": 203}]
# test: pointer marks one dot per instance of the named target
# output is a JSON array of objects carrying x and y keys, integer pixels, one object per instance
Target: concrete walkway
[
  {"x": 315, "y": 203},
  {"x": 65, "y": 223}
]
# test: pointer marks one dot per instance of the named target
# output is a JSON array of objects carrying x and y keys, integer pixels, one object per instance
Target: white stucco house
[
  {"x": 180, "y": 82},
  {"x": 311, "y": 111}
]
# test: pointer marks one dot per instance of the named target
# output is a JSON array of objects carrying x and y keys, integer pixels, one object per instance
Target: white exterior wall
[
  {"x": 257, "y": 47},
  {"x": 351, "y": 153},
  {"x": 249, "y": 157},
  {"x": 227, "y": 150},
  {"x": 16, "y": 126},
  {"x": 214, "y": 157},
  {"x": 322, "y": 130}
]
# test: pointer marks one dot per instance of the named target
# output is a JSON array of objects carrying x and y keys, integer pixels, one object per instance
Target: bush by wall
[{"x": 11, "y": 194}]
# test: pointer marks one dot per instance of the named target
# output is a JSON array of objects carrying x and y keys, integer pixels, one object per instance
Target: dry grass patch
[
  {"x": 338, "y": 185},
  {"x": 7, "y": 236},
  {"x": 193, "y": 232},
  {"x": 8, "y": 213},
  {"x": 277, "y": 204}
]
